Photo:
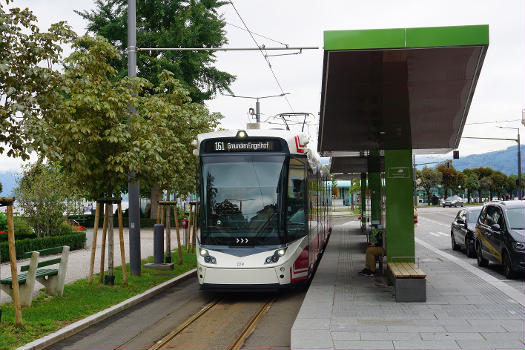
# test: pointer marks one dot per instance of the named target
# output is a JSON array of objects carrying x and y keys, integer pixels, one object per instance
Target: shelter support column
[
  {"x": 399, "y": 206},
  {"x": 363, "y": 199},
  {"x": 374, "y": 184}
]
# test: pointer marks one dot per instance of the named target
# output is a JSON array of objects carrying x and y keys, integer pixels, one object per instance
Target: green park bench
[{"x": 52, "y": 279}]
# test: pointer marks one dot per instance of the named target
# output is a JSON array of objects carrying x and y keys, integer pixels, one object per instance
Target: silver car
[{"x": 453, "y": 201}]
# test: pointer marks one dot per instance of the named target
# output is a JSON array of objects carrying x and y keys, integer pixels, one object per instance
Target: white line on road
[
  {"x": 501, "y": 285},
  {"x": 442, "y": 233},
  {"x": 434, "y": 234},
  {"x": 435, "y": 222}
]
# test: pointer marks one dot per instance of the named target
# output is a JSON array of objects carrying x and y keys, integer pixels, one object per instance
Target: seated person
[{"x": 375, "y": 248}]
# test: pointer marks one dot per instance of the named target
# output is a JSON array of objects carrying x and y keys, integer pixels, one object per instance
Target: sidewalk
[
  {"x": 78, "y": 265},
  {"x": 343, "y": 310}
]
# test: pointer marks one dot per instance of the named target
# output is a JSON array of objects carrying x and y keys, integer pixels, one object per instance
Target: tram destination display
[{"x": 236, "y": 145}]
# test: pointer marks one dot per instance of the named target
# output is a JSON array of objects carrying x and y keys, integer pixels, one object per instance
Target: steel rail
[
  {"x": 183, "y": 326},
  {"x": 239, "y": 342}
]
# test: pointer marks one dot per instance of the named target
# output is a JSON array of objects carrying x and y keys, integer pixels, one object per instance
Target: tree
[
  {"x": 499, "y": 181},
  {"x": 175, "y": 122},
  {"x": 44, "y": 195},
  {"x": 471, "y": 183},
  {"x": 430, "y": 178},
  {"x": 485, "y": 184},
  {"x": 27, "y": 86},
  {"x": 88, "y": 133},
  {"x": 449, "y": 177},
  {"x": 167, "y": 24}
]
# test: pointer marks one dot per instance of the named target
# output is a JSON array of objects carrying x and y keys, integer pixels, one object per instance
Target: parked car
[
  {"x": 453, "y": 201},
  {"x": 463, "y": 229},
  {"x": 500, "y": 236}
]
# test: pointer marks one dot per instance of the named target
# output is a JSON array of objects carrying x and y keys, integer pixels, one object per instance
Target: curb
[{"x": 78, "y": 326}]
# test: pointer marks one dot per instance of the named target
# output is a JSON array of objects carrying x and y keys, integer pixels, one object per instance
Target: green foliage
[
  {"x": 472, "y": 182},
  {"x": 88, "y": 133},
  {"x": 499, "y": 180},
  {"x": 429, "y": 178},
  {"x": 44, "y": 195},
  {"x": 174, "y": 121},
  {"x": 22, "y": 227},
  {"x": 449, "y": 177},
  {"x": 162, "y": 23},
  {"x": 3, "y": 221},
  {"x": 99, "y": 141},
  {"x": 27, "y": 80},
  {"x": 50, "y": 313},
  {"x": 75, "y": 240}
]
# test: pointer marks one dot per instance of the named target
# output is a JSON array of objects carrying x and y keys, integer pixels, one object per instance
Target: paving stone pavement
[
  {"x": 78, "y": 264},
  {"x": 343, "y": 310}
]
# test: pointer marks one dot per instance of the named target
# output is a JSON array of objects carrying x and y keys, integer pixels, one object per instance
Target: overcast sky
[{"x": 499, "y": 93}]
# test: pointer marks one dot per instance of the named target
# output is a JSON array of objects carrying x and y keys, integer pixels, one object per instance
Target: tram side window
[{"x": 295, "y": 216}]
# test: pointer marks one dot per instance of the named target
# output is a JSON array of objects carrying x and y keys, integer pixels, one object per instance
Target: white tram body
[{"x": 264, "y": 209}]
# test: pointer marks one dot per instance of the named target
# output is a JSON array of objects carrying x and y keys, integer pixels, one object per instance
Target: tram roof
[
  {"x": 406, "y": 88},
  {"x": 298, "y": 142}
]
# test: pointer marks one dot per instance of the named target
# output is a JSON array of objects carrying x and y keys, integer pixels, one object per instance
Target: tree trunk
[
  {"x": 468, "y": 196},
  {"x": 111, "y": 246},
  {"x": 156, "y": 195},
  {"x": 168, "y": 230},
  {"x": 479, "y": 196}
]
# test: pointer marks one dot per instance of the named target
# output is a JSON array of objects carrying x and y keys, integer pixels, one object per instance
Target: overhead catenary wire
[
  {"x": 260, "y": 35},
  {"x": 495, "y": 122},
  {"x": 264, "y": 56}
]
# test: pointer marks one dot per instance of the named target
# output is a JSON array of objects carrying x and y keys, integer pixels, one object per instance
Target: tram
[{"x": 263, "y": 209}]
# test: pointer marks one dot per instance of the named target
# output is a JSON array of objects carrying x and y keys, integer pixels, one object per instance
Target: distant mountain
[
  {"x": 505, "y": 161},
  {"x": 8, "y": 180}
]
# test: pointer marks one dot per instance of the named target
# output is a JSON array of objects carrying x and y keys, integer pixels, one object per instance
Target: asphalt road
[{"x": 434, "y": 228}]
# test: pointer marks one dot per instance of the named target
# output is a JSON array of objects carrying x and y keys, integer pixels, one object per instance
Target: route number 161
[{"x": 219, "y": 146}]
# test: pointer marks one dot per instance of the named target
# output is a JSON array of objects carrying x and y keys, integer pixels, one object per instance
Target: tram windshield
[{"x": 242, "y": 198}]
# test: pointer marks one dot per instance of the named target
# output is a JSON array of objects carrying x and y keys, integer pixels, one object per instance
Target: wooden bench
[
  {"x": 52, "y": 279},
  {"x": 409, "y": 281}
]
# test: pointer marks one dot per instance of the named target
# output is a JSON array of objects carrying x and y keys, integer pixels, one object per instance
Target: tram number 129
[{"x": 219, "y": 146}]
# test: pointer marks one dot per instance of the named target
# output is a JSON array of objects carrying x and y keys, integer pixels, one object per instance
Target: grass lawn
[{"x": 48, "y": 314}]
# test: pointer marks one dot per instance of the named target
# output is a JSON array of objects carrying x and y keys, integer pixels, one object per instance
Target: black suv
[{"x": 500, "y": 236}]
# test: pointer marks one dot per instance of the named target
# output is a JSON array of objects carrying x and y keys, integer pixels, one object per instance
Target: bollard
[{"x": 158, "y": 244}]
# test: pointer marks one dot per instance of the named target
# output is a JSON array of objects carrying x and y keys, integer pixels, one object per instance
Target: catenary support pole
[{"x": 133, "y": 183}]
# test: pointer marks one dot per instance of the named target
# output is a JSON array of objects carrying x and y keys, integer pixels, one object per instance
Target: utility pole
[{"x": 133, "y": 183}]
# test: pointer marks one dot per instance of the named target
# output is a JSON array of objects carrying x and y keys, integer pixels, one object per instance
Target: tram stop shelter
[{"x": 388, "y": 94}]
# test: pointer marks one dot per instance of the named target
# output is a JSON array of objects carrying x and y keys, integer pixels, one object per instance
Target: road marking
[
  {"x": 442, "y": 233},
  {"x": 435, "y": 222},
  {"x": 502, "y": 286},
  {"x": 434, "y": 234}
]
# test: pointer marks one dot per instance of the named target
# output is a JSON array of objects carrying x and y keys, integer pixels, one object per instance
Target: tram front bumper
[{"x": 211, "y": 276}]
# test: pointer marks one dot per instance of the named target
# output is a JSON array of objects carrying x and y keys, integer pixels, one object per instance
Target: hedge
[{"x": 75, "y": 240}]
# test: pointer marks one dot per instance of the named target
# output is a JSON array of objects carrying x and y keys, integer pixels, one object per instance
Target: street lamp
[{"x": 519, "y": 158}]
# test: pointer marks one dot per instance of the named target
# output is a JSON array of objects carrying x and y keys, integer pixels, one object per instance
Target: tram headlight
[
  {"x": 281, "y": 251},
  {"x": 241, "y": 134},
  {"x": 203, "y": 252}
]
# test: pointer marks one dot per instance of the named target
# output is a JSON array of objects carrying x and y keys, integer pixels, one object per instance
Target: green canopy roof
[{"x": 407, "y": 88}]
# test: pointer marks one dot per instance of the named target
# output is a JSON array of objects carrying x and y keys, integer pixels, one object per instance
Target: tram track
[{"x": 197, "y": 332}]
